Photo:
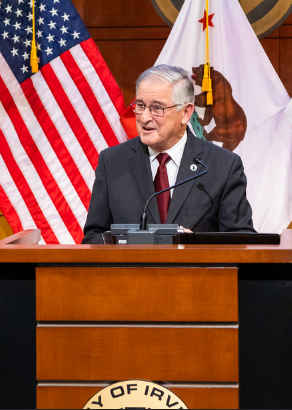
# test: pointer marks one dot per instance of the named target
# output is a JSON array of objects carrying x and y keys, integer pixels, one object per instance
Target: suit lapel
[
  {"x": 192, "y": 149},
  {"x": 141, "y": 169}
]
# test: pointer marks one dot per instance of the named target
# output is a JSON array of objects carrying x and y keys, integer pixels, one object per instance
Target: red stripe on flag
[
  {"x": 56, "y": 142},
  {"x": 9, "y": 212},
  {"x": 43, "y": 171},
  {"x": 26, "y": 193},
  {"x": 93, "y": 54},
  {"x": 89, "y": 98},
  {"x": 70, "y": 114}
]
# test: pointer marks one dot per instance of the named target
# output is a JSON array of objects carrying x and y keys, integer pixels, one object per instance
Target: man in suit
[{"x": 128, "y": 174}]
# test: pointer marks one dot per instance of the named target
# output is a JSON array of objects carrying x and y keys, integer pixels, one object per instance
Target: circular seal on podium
[{"x": 135, "y": 394}]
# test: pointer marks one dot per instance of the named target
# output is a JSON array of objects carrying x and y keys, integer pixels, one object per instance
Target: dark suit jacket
[{"x": 214, "y": 202}]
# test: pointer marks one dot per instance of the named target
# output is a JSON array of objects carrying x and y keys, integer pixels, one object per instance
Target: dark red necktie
[{"x": 160, "y": 183}]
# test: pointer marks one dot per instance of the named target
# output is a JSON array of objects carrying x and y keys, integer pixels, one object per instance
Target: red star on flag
[{"x": 204, "y": 20}]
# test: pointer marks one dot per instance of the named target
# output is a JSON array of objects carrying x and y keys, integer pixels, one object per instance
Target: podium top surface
[{"x": 149, "y": 254}]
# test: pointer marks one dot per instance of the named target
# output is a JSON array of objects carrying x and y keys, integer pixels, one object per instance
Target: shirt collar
[{"x": 174, "y": 152}]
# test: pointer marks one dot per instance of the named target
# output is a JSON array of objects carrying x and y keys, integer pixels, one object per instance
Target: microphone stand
[{"x": 143, "y": 222}]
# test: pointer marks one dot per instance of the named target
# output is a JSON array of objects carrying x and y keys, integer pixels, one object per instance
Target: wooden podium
[{"x": 168, "y": 314}]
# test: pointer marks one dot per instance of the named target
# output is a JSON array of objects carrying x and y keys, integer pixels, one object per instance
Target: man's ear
[{"x": 188, "y": 112}]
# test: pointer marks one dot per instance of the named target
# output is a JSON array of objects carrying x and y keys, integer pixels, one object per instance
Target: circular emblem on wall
[
  {"x": 168, "y": 9},
  {"x": 135, "y": 394},
  {"x": 265, "y": 16}
]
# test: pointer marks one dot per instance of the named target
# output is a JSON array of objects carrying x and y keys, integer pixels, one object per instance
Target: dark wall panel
[
  {"x": 127, "y": 59},
  {"x": 118, "y": 13}
]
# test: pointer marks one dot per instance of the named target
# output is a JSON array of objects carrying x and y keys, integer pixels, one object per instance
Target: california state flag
[{"x": 250, "y": 111}]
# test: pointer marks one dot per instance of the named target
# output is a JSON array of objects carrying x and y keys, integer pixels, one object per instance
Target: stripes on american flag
[{"x": 53, "y": 125}]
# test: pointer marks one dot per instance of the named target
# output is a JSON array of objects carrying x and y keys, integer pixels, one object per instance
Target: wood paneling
[
  {"x": 75, "y": 397},
  {"x": 147, "y": 353},
  {"x": 272, "y": 49},
  {"x": 278, "y": 47},
  {"x": 137, "y": 294},
  {"x": 118, "y": 13},
  {"x": 286, "y": 62},
  {"x": 129, "y": 58},
  {"x": 129, "y": 33}
]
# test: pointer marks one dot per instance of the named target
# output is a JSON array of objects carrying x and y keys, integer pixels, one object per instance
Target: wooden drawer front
[
  {"x": 55, "y": 397},
  {"x": 137, "y": 294},
  {"x": 123, "y": 353}
]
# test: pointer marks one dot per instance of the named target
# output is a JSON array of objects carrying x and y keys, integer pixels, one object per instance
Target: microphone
[{"x": 143, "y": 222}]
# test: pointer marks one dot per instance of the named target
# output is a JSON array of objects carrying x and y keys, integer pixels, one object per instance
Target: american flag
[{"x": 54, "y": 123}]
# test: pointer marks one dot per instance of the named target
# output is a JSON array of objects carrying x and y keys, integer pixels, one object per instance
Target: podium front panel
[
  {"x": 203, "y": 354},
  {"x": 131, "y": 294},
  {"x": 137, "y": 288},
  {"x": 177, "y": 324},
  {"x": 197, "y": 397}
]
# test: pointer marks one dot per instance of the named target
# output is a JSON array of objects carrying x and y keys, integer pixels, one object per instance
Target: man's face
[{"x": 160, "y": 133}]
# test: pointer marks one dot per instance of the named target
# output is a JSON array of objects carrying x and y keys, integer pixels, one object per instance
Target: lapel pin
[{"x": 193, "y": 167}]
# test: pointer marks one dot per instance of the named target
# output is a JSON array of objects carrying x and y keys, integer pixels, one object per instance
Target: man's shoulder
[
  {"x": 213, "y": 150},
  {"x": 220, "y": 151},
  {"x": 128, "y": 146}
]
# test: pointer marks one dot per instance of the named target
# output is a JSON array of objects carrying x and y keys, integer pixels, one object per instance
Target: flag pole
[
  {"x": 207, "y": 82},
  {"x": 33, "y": 56}
]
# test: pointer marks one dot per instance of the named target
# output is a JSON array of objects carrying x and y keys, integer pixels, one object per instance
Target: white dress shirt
[{"x": 175, "y": 153}]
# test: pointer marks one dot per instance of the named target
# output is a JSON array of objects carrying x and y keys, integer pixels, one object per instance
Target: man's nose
[{"x": 146, "y": 115}]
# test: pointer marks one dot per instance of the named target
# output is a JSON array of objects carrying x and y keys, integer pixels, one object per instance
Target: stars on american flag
[
  {"x": 14, "y": 52},
  {"x": 24, "y": 69},
  {"x": 17, "y": 26},
  {"x": 64, "y": 29},
  {"x": 65, "y": 17},
  {"x": 53, "y": 32},
  {"x": 62, "y": 43},
  {"x": 49, "y": 50},
  {"x": 50, "y": 38},
  {"x": 28, "y": 30},
  {"x": 27, "y": 43},
  {"x": 52, "y": 24},
  {"x": 53, "y": 12},
  {"x": 16, "y": 38},
  {"x": 18, "y": 12},
  {"x": 26, "y": 56}
]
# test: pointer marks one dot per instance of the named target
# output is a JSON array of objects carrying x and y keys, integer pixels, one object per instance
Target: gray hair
[{"x": 183, "y": 88}]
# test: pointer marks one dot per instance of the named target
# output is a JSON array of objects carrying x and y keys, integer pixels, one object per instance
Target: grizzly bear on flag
[{"x": 229, "y": 117}]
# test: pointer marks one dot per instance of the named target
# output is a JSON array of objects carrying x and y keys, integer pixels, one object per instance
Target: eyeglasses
[{"x": 156, "y": 110}]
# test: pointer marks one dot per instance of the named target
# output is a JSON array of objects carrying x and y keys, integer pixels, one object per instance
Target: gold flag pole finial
[
  {"x": 207, "y": 82},
  {"x": 33, "y": 55}
]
